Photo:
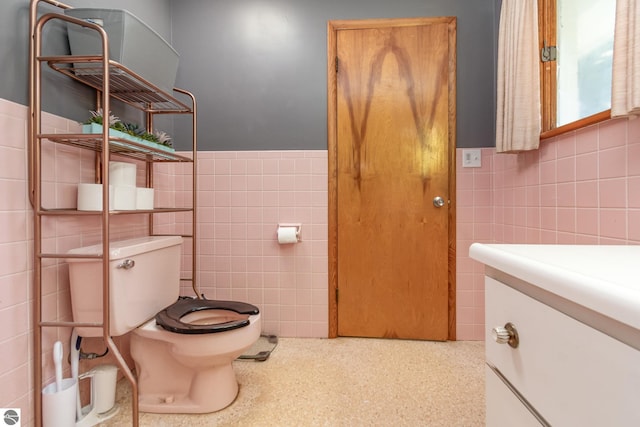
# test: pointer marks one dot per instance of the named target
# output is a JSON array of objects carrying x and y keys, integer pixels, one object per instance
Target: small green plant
[{"x": 132, "y": 129}]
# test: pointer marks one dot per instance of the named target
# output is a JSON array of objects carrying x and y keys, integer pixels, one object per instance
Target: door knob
[
  {"x": 506, "y": 335},
  {"x": 438, "y": 202}
]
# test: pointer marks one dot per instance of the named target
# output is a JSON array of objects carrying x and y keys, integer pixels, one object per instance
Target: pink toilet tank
[{"x": 144, "y": 278}]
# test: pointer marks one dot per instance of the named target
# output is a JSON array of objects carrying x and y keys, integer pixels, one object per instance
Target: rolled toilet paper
[
  {"x": 90, "y": 197},
  {"x": 144, "y": 198},
  {"x": 124, "y": 198},
  {"x": 122, "y": 174},
  {"x": 287, "y": 235}
]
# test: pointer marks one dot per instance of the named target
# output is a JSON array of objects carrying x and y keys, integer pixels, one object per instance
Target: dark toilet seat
[{"x": 169, "y": 318}]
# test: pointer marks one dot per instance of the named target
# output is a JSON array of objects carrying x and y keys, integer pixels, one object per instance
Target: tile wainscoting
[{"x": 583, "y": 187}]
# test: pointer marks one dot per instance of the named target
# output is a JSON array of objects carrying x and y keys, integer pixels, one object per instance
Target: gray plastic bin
[{"x": 131, "y": 43}]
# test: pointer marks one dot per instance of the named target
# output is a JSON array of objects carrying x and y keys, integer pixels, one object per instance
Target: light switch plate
[{"x": 471, "y": 158}]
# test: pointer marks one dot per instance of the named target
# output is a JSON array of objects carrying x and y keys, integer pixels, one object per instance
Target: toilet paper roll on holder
[{"x": 297, "y": 226}]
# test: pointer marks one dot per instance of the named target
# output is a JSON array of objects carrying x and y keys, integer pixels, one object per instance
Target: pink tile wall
[
  {"x": 475, "y": 223},
  {"x": 63, "y": 167},
  {"x": 242, "y": 196},
  {"x": 578, "y": 188},
  {"x": 15, "y": 261}
]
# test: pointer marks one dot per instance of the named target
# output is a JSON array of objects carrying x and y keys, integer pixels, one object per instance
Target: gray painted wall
[
  {"x": 258, "y": 67},
  {"x": 62, "y": 96}
]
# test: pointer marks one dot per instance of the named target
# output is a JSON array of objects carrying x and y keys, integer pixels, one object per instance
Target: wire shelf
[
  {"x": 124, "y": 84},
  {"x": 119, "y": 146}
]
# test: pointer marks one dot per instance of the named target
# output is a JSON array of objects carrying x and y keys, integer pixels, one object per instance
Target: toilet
[{"x": 183, "y": 348}]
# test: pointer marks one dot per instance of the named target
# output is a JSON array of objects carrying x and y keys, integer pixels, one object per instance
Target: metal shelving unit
[{"x": 111, "y": 80}]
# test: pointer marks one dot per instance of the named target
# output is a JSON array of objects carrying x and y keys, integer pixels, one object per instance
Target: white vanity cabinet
[{"x": 577, "y": 358}]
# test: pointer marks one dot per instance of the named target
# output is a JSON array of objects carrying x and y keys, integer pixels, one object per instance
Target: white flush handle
[{"x": 506, "y": 335}]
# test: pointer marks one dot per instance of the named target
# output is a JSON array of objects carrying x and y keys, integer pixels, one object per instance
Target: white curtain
[
  {"x": 625, "y": 85},
  {"x": 518, "y": 105}
]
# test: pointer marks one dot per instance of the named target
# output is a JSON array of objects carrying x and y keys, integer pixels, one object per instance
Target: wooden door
[{"x": 394, "y": 154}]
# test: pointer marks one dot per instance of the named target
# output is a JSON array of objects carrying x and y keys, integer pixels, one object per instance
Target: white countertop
[{"x": 602, "y": 278}]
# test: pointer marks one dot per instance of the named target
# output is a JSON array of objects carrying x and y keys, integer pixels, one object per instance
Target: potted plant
[{"x": 129, "y": 131}]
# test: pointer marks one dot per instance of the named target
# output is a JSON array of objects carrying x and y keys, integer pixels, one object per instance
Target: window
[{"x": 577, "y": 38}]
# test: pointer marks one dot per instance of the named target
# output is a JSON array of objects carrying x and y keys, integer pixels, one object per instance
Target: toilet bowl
[
  {"x": 183, "y": 348},
  {"x": 185, "y": 366}
]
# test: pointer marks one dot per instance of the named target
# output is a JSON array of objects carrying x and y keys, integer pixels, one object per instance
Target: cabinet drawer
[
  {"x": 571, "y": 374},
  {"x": 504, "y": 409}
]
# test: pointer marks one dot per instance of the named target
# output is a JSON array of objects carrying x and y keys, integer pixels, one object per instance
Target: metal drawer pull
[
  {"x": 506, "y": 335},
  {"x": 519, "y": 396},
  {"x": 126, "y": 264}
]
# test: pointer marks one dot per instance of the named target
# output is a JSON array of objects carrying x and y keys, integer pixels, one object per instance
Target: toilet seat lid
[{"x": 170, "y": 317}]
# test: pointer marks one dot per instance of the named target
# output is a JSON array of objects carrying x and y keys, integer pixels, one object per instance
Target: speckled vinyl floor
[{"x": 347, "y": 382}]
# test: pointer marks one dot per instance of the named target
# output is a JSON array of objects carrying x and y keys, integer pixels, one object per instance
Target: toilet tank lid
[{"x": 126, "y": 248}]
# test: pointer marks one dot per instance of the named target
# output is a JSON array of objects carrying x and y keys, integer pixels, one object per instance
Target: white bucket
[{"x": 103, "y": 387}]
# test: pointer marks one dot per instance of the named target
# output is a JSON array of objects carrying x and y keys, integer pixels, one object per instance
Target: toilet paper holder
[{"x": 297, "y": 226}]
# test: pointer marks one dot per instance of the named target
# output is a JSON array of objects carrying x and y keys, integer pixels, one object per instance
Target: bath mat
[{"x": 261, "y": 349}]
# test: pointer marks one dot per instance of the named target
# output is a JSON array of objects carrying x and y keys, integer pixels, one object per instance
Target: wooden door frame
[{"x": 332, "y": 139}]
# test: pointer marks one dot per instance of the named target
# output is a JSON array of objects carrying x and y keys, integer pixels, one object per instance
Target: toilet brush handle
[{"x": 57, "y": 362}]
